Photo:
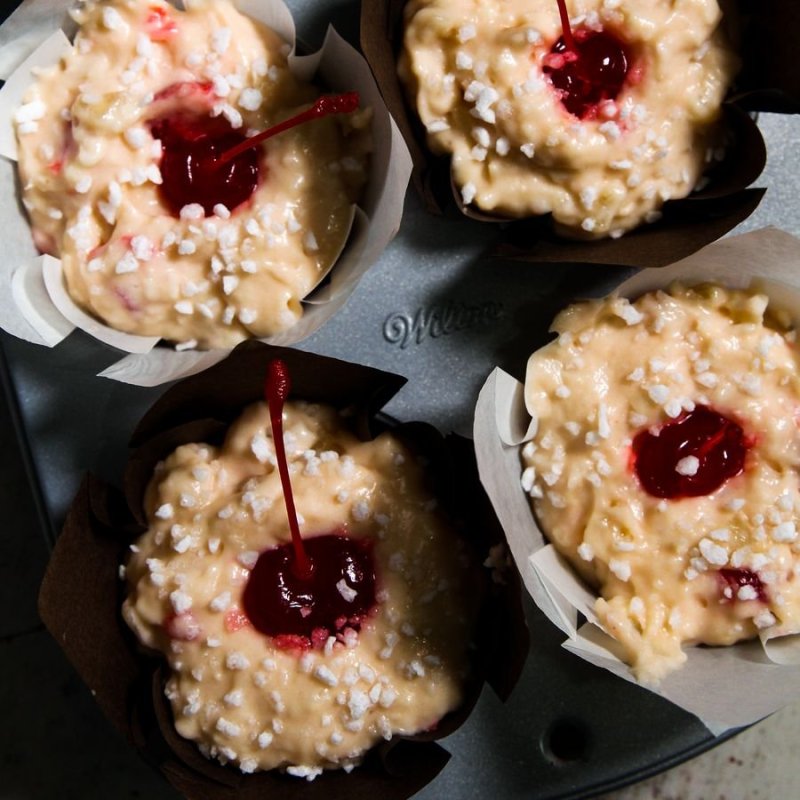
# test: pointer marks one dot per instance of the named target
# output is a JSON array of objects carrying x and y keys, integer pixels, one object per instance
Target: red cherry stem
[
  {"x": 329, "y": 104},
  {"x": 276, "y": 390},
  {"x": 566, "y": 28}
]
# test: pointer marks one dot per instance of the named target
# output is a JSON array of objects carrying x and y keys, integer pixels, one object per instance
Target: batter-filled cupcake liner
[
  {"x": 725, "y": 687},
  {"x": 36, "y": 305},
  {"x": 82, "y": 593},
  {"x": 769, "y": 81}
]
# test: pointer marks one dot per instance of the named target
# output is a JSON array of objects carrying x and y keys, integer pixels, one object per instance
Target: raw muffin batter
[
  {"x": 94, "y": 135},
  {"x": 264, "y": 702},
  {"x": 664, "y": 466}
]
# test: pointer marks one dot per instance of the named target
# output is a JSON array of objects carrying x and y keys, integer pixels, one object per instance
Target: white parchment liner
[
  {"x": 726, "y": 687},
  {"x": 36, "y": 307}
]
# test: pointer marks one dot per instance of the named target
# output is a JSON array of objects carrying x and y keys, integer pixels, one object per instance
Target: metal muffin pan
[{"x": 435, "y": 310}]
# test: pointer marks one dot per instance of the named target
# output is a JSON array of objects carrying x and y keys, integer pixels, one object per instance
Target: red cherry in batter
[
  {"x": 306, "y": 590},
  {"x": 690, "y": 456},
  {"x": 206, "y": 160},
  {"x": 586, "y": 66},
  {"x": 191, "y": 146},
  {"x": 280, "y": 603}
]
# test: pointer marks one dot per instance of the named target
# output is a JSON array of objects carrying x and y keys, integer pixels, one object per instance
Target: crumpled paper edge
[
  {"x": 374, "y": 226},
  {"x": 725, "y": 687}
]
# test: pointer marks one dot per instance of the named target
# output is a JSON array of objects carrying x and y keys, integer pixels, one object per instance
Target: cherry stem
[
  {"x": 276, "y": 390},
  {"x": 566, "y": 28},
  {"x": 326, "y": 105}
]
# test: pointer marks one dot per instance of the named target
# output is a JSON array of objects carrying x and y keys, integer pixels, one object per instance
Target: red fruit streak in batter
[
  {"x": 735, "y": 579},
  {"x": 159, "y": 25}
]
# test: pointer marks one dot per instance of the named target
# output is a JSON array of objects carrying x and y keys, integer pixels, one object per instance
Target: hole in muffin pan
[{"x": 566, "y": 741}]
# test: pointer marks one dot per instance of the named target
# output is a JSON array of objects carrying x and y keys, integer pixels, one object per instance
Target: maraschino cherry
[
  {"x": 690, "y": 456},
  {"x": 587, "y": 67},
  {"x": 309, "y": 589},
  {"x": 206, "y": 160},
  {"x": 191, "y": 146}
]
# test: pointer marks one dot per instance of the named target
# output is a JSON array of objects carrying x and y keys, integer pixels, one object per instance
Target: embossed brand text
[{"x": 439, "y": 320}]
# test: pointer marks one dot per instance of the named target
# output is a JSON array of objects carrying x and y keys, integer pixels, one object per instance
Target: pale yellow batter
[
  {"x": 89, "y": 167},
  {"x": 618, "y": 368},
  {"x": 474, "y": 72},
  {"x": 244, "y": 700}
]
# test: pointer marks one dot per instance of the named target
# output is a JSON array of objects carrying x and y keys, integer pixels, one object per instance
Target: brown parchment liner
[
  {"x": 82, "y": 594},
  {"x": 768, "y": 81}
]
